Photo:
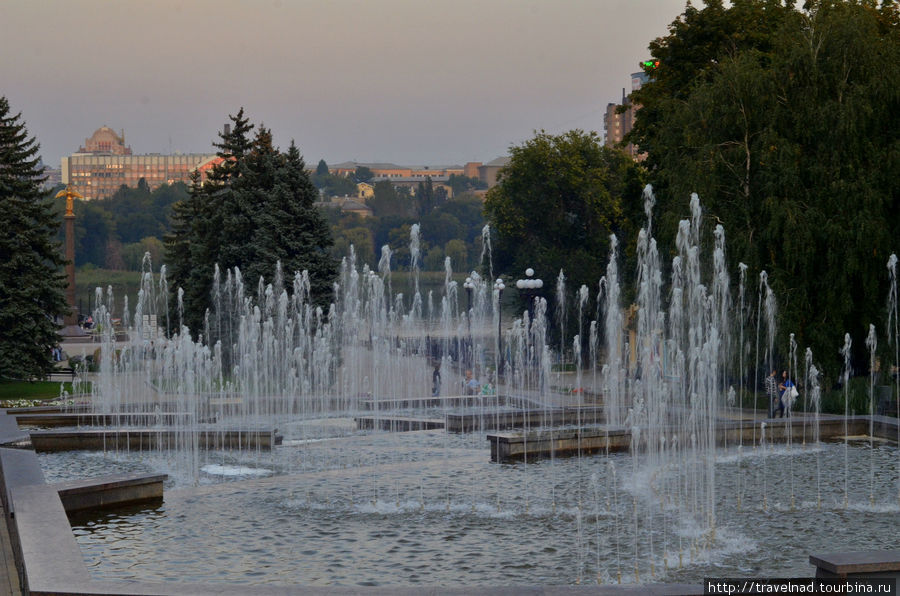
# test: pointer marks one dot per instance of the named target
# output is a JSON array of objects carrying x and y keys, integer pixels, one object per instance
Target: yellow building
[{"x": 365, "y": 191}]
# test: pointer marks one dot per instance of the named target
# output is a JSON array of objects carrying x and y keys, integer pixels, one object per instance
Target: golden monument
[
  {"x": 70, "y": 195},
  {"x": 70, "y": 320}
]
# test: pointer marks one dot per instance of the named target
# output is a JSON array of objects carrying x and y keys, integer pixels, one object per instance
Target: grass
[
  {"x": 858, "y": 399},
  {"x": 87, "y": 279},
  {"x": 29, "y": 393}
]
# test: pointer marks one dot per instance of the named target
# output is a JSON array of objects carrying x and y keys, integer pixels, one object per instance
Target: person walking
[
  {"x": 788, "y": 393},
  {"x": 471, "y": 384},
  {"x": 436, "y": 380}
]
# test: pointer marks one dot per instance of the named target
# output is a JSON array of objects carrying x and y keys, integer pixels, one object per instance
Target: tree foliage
[
  {"x": 460, "y": 184},
  {"x": 785, "y": 121},
  {"x": 388, "y": 202},
  {"x": 255, "y": 209},
  {"x": 363, "y": 174},
  {"x": 122, "y": 222},
  {"x": 556, "y": 204},
  {"x": 426, "y": 197},
  {"x": 31, "y": 283},
  {"x": 333, "y": 185}
]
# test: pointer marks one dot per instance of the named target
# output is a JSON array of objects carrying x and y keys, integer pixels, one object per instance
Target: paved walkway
[{"x": 9, "y": 577}]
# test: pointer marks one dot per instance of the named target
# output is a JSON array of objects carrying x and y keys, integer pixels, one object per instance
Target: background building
[
  {"x": 104, "y": 163},
  {"x": 411, "y": 176},
  {"x": 618, "y": 122},
  {"x": 390, "y": 171},
  {"x": 487, "y": 173}
]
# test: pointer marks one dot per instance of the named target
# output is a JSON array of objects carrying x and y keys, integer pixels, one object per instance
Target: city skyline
[{"x": 389, "y": 81}]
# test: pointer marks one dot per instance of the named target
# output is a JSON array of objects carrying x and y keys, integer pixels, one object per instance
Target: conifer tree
[
  {"x": 178, "y": 243},
  {"x": 196, "y": 242},
  {"x": 425, "y": 197},
  {"x": 31, "y": 282},
  {"x": 256, "y": 209},
  {"x": 291, "y": 229},
  {"x": 242, "y": 206}
]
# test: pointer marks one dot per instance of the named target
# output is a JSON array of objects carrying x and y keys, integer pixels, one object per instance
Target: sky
[{"x": 413, "y": 82}]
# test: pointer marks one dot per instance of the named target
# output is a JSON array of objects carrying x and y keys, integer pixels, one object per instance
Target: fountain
[{"x": 640, "y": 465}]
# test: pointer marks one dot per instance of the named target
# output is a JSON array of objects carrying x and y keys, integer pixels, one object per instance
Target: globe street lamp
[
  {"x": 529, "y": 288},
  {"x": 499, "y": 286}
]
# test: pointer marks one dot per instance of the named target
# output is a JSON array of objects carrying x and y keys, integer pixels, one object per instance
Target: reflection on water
[{"x": 429, "y": 508}]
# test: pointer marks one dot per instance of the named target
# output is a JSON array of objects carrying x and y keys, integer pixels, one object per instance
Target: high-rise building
[
  {"x": 618, "y": 122},
  {"x": 104, "y": 163}
]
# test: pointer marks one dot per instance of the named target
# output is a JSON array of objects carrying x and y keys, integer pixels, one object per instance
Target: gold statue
[{"x": 70, "y": 195}]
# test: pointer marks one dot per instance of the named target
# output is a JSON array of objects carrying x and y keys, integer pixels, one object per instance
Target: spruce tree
[
  {"x": 255, "y": 209},
  {"x": 242, "y": 206},
  {"x": 178, "y": 243},
  {"x": 31, "y": 283},
  {"x": 291, "y": 229},
  {"x": 196, "y": 243}
]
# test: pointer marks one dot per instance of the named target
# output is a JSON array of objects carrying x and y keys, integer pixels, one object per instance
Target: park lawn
[{"x": 37, "y": 391}]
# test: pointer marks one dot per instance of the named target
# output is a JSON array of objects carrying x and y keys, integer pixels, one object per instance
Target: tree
[
  {"x": 434, "y": 259},
  {"x": 322, "y": 168},
  {"x": 133, "y": 254},
  {"x": 362, "y": 241},
  {"x": 461, "y": 184},
  {"x": 787, "y": 129},
  {"x": 288, "y": 227},
  {"x": 256, "y": 209},
  {"x": 388, "y": 202},
  {"x": 458, "y": 252},
  {"x": 556, "y": 204},
  {"x": 426, "y": 200},
  {"x": 363, "y": 174},
  {"x": 138, "y": 213},
  {"x": 193, "y": 248},
  {"x": 338, "y": 186},
  {"x": 398, "y": 240},
  {"x": 387, "y": 230},
  {"x": 31, "y": 285},
  {"x": 441, "y": 227},
  {"x": 185, "y": 227},
  {"x": 467, "y": 210},
  {"x": 126, "y": 218},
  {"x": 94, "y": 228}
]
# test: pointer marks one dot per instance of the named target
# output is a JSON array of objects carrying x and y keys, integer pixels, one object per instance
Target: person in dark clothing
[
  {"x": 787, "y": 394},
  {"x": 436, "y": 380}
]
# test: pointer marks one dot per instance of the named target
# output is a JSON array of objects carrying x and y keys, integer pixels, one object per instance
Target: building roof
[
  {"x": 345, "y": 165},
  {"x": 396, "y": 180},
  {"x": 498, "y": 162}
]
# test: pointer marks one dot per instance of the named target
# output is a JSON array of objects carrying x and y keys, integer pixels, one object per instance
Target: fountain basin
[
  {"x": 143, "y": 439},
  {"x": 428, "y": 509},
  {"x": 510, "y": 447}
]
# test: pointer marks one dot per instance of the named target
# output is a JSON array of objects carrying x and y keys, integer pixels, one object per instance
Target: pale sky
[{"x": 415, "y": 82}]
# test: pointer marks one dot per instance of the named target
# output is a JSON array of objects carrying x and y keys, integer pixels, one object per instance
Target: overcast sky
[{"x": 406, "y": 81}]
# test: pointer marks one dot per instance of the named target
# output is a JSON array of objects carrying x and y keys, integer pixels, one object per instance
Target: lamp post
[
  {"x": 529, "y": 288},
  {"x": 499, "y": 286},
  {"x": 469, "y": 285}
]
